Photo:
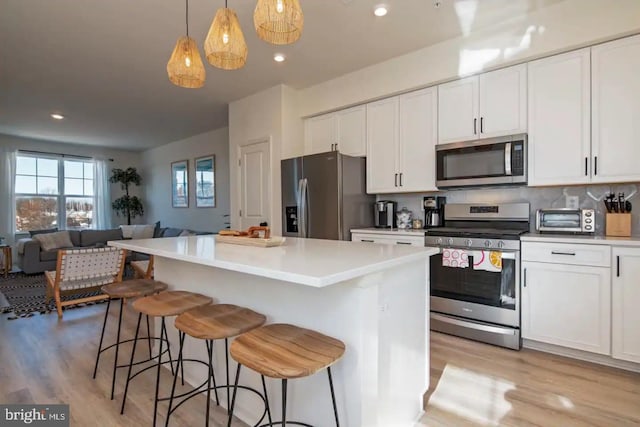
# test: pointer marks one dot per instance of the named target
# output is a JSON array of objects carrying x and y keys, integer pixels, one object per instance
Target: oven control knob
[
  {"x": 501, "y": 244},
  {"x": 487, "y": 243},
  {"x": 439, "y": 240},
  {"x": 469, "y": 242},
  {"x": 450, "y": 241}
]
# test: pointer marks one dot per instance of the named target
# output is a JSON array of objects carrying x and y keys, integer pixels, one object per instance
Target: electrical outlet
[{"x": 572, "y": 202}]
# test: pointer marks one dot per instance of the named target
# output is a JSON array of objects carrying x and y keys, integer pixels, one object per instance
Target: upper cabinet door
[
  {"x": 382, "y": 146},
  {"x": 418, "y": 137},
  {"x": 352, "y": 128},
  {"x": 458, "y": 110},
  {"x": 320, "y": 134},
  {"x": 560, "y": 119},
  {"x": 616, "y": 110},
  {"x": 503, "y": 102}
]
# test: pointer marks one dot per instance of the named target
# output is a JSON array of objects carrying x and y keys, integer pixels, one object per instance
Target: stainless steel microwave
[
  {"x": 565, "y": 220},
  {"x": 484, "y": 162}
]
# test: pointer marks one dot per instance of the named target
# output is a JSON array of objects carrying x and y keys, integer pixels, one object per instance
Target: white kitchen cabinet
[
  {"x": 489, "y": 105},
  {"x": 625, "y": 300},
  {"x": 567, "y": 305},
  {"x": 560, "y": 119},
  {"x": 387, "y": 239},
  {"x": 616, "y": 110},
  {"x": 343, "y": 131},
  {"x": 401, "y": 138}
]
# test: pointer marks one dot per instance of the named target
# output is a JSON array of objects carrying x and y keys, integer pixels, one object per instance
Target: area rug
[{"x": 26, "y": 296}]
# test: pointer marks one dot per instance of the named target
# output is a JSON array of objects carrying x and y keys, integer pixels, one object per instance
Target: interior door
[
  {"x": 321, "y": 196},
  {"x": 255, "y": 171}
]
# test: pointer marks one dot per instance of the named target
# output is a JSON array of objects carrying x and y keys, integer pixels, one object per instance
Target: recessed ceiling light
[
  {"x": 279, "y": 57},
  {"x": 57, "y": 116},
  {"x": 380, "y": 10}
]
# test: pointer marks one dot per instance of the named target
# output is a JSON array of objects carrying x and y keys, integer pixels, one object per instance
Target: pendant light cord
[{"x": 187, "y": 16}]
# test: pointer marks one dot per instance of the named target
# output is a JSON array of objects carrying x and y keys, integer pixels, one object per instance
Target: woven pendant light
[
  {"x": 224, "y": 46},
  {"x": 185, "y": 67},
  {"x": 278, "y": 21}
]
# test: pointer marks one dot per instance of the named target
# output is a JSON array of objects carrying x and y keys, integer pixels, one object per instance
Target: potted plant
[{"x": 129, "y": 206}]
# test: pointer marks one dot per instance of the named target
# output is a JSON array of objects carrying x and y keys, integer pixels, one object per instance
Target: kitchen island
[{"x": 372, "y": 297}]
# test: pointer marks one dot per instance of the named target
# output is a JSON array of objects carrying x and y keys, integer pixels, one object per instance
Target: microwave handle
[{"x": 507, "y": 158}]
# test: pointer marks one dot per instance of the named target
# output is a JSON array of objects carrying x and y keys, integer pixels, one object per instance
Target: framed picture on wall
[
  {"x": 180, "y": 184},
  {"x": 205, "y": 181}
]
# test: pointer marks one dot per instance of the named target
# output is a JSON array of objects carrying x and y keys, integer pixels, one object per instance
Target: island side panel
[{"x": 379, "y": 365}]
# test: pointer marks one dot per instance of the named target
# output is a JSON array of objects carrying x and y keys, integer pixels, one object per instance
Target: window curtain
[
  {"x": 8, "y": 195},
  {"x": 102, "y": 194}
]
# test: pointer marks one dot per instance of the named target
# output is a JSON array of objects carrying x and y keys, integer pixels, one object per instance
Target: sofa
[{"x": 33, "y": 259}]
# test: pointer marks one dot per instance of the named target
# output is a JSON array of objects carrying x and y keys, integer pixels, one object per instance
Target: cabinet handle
[
  {"x": 586, "y": 166},
  {"x": 332, "y": 146},
  {"x": 400, "y": 179},
  {"x": 524, "y": 280},
  {"x": 475, "y": 122},
  {"x": 403, "y": 243},
  {"x": 618, "y": 266},
  {"x": 563, "y": 253},
  {"x": 336, "y": 146},
  {"x": 595, "y": 165},
  {"x": 481, "y": 124},
  {"x": 396, "y": 180},
  {"x": 366, "y": 240}
]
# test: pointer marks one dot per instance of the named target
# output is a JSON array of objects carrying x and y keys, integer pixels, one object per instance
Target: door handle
[
  {"x": 400, "y": 179},
  {"x": 595, "y": 165},
  {"x": 563, "y": 253},
  {"x": 586, "y": 166},
  {"x": 336, "y": 144},
  {"x": 481, "y": 124},
  {"x": 366, "y": 240},
  {"x": 524, "y": 279},
  {"x": 396, "y": 180},
  {"x": 403, "y": 243},
  {"x": 475, "y": 122},
  {"x": 617, "y": 265}
]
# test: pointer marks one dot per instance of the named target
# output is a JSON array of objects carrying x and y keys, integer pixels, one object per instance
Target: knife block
[{"x": 618, "y": 224}]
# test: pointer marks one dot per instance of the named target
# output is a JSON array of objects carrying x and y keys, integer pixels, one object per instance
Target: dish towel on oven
[
  {"x": 458, "y": 258},
  {"x": 487, "y": 260}
]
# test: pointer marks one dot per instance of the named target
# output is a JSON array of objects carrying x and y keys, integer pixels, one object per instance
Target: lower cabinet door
[
  {"x": 625, "y": 304},
  {"x": 567, "y": 305}
]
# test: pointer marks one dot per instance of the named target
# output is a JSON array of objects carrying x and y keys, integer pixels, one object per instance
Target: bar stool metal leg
[
  {"x": 148, "y": 335},
  {"x": 226, "y": 355},
  {"x": 233, "y": 400},
  {"x": 104, "y": 325},
  {"x": 133, "y": 353},
  {"x": 284, "y": 402},
  {"x": 266, "y": 399},
  {"x": 163, "y": 330},
  {"x": 212, "y": 373},
  {"x": 175, "y": 379},
  {"x": 155, "y": 400},
  {"x": 333, "y": 397},
  {"x": 115, "y": 360}
]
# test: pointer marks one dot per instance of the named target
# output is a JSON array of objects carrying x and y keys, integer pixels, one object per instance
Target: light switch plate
[{"x": 572, "y": 202}]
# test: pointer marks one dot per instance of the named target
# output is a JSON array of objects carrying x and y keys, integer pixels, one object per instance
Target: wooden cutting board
[{"x": 251, "y": 241}]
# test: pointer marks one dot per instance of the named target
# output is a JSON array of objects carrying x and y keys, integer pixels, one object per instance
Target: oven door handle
[
  {"x": 473, "y": 325},
  {"x": 505, "y": 254}
]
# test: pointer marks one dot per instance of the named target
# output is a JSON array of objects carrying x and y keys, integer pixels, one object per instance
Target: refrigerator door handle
[
  {"x": 300, "y": 203},
  {"x": 305, "y": 202}
]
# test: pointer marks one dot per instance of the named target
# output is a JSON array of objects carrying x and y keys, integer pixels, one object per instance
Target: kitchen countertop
[
  {"x": 419, "y": 232},
  {"x": 311, "y": 262},
  {"x": 581, "y": 239}
]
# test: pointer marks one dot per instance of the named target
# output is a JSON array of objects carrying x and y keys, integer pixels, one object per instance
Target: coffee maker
[
  {"x": 384, "y": 213},
  {"x": 433, "y": 211}
]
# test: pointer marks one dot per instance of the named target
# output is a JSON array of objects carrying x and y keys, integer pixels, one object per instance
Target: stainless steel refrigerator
[{"x": 324, "y": 196}]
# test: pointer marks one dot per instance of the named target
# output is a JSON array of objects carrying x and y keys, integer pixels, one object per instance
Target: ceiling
[{"x": 103, "y": 63}]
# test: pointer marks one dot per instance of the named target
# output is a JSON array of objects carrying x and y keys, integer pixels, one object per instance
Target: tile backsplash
[{"x": 590, "y": 196}]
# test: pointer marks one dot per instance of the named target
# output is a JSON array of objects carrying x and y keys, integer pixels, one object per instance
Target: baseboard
[{"x": 581, "y": 355}]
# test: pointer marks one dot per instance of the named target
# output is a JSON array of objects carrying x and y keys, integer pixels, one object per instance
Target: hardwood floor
[{"x": 472, "y": 384}]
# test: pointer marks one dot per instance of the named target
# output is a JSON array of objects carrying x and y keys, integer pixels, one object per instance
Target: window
[{"x": 53, "y": 192}]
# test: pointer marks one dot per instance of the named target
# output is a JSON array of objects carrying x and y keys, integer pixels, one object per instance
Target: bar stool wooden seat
[
  {"x": 123, "y": 291},
  {"x": 169, "y": 303},
  {"x": 285, "y": 351},
  {"x": 209, "y": 323}
]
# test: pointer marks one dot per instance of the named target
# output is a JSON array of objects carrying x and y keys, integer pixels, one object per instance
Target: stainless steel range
[{"x": 475, "y": 279}]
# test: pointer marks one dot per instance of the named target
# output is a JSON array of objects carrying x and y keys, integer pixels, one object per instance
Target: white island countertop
[{"x": 311, "y": 262}]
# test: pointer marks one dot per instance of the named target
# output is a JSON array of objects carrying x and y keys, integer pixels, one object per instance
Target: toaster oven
[{"x": 566, "y": 220}]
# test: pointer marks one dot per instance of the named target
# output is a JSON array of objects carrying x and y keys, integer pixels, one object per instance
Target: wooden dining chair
[
  {"x": 143, "y": 269},
  {"x": 81, "y": 270}
]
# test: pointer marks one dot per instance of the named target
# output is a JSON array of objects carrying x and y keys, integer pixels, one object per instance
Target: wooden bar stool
[
  {"x": 169, "y": 303},
  {"x": 209, "y": 323},
  {"x": 286, "y": 352},
  {"x": 122, "y": 291}
]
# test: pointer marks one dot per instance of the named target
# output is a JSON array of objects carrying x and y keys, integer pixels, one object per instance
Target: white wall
[
  {"x": 156, "y": 166},
  {"x": 121, "y": 159},
  {"x": 563, "y": 26}
]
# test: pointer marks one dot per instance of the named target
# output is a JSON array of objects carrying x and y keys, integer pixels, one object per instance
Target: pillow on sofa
[
  {"x": 90, "y": 238},
  {"x": 51, "y": 241},
  {"x": 172, "y": 232},
  {"x": 44, "y": 231},
  {"x": 143, "y": 231}
]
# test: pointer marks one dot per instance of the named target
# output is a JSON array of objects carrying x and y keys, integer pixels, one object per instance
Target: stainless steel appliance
[
  {"x": 324, "y": 196},
  {"x": 384, "y": 212},
  {"x": 566, "y": 220},
  {"x": 476, "y": 303},
  {"x": 484, "y": 162},
  {"x": 433, "y": 211}
]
